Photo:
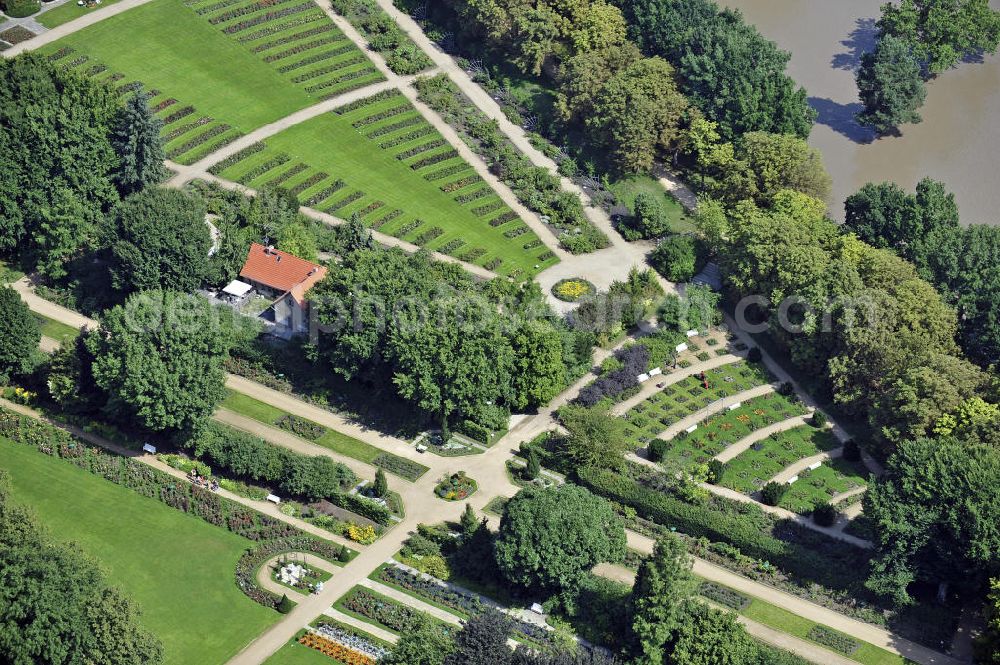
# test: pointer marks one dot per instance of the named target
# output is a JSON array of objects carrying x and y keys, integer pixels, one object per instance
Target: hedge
[
  {"x": 797, "y": 550},
  {"x": 311, "y": 477},
  {"x": 21, "y": 8}
]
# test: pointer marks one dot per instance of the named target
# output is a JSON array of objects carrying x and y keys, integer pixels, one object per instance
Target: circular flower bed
[
  {"x": 456, "y": 487},
  {"x": 573, "y": 289}
]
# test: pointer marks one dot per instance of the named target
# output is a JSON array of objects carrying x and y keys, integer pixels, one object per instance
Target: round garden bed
[
  {"x": 573, "y": 289},
  {"x": 456, "y": 487}
]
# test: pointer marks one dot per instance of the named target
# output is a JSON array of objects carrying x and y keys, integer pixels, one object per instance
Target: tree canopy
[
  {"x": 19, "y": 334},
  {"x": 890, "y": 86},
  {"x": 935, "y": 514},
  {"x": 159, "y": 358},
  {"x": 726, "y": 68},
  {"x": 550, "y": 537},
  {"x": 158, "y": 239},
  {"x": 56, "y": 608},
  {"x": 135, "y": 136},
  {"x": 941, "y": 32},
  {"x": 57, "y": 162}
]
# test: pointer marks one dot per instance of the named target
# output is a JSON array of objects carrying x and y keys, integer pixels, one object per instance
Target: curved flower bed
[
  {"x": 573, "y": 289},
  {"x": 254, "y": 558}
]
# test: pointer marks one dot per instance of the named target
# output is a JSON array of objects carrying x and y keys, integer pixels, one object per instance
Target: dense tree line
[
  {"x": 961, "y": 262},
  {"x": 919, "y": 39},
  {"x": 56, "y": 607},
  {"x": 725, "y": 67},
  {"x": 461, "y": 351}
]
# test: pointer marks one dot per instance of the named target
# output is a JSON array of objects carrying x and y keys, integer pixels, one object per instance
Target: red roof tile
[{"x": 281, "y": 271}]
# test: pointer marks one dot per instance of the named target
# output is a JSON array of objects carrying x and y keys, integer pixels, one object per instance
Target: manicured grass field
[
  {"x": 218, "y": 69},
  {"x": 332, "y": 439},
  {"x": 69, "y": 11},
  {"x": 176, "y": 566},
  {"x": 820, "y": 485},
  {"x": 629, "y": 187},
  {"x": 750, "y": 470},
  {"x": 56, "y": 330},
  {"x": 379, "y": 159},
  {"x": 649, "y": 418},
  {"x": 718, "y": 432}
]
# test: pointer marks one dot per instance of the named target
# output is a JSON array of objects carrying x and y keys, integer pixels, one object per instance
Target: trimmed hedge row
[
  {"x": 801, "y": 552},
  {"x": 311, "y": 477},
  {"x": 281, "y": 41}
]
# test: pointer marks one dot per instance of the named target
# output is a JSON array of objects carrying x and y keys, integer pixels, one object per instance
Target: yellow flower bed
[{"x": 571, "y": 290}]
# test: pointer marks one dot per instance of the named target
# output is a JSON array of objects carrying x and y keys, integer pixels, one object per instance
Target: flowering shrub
[
  {"x": 472, "y": 255},
  {"x": 516, "y": 232},
  {"x": 370, "y": 208},
  {"x": 186, "y": 127},
  {"x": 451, "y": 246},
  {"x": 365, "y": 535},
  {"x": 428, "y": 236},
  {"x": 473, "y": 196},
  {"x": 188, "y": 146},
  {"x": 396, "y": 126},
  {"x": 267, "y": 17},
  {"x": 493, "y": 264},
  {"x": 22, "y": 396},
  {"x": 460, "y": 183}
]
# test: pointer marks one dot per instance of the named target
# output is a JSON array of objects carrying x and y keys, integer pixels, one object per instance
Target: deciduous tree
[
  {"x": 890, "y": 86},
  {"x": 550, "y": 537}
]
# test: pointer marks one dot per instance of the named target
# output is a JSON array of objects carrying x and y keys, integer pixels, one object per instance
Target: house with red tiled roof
[{"x": 286, "y": 278}]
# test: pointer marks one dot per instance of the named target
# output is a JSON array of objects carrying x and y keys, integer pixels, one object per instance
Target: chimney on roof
[{"x": 277, "y": 259}]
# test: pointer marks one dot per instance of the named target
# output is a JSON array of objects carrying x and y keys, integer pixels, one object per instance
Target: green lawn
[
  {"x": 382, "y": 161},
  {"x": 56, "y": 330},
  {"x": 820, "y": 485},
  {"x": 718, "y": 432},
  {"x": 294, "y": 653},
  {"x": 649, "y": 418},
  {"x": 332, "y": 439},
  {"x": 216, "y": 81},
  {"x": 176, "y": 566},
  {"x": 69, "y": 11},
  {"x": 750, "y": 470},
  {"x": 626, "y": 189}
]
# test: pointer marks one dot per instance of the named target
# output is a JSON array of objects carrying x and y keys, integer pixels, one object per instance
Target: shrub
[
  {"x": 285, "y": 605},
  {"x": 21, "y": 8},
  {"x": 824, "y": 514},
  {"x": 831, "y": 638},
  {"x": 852, "y": 452},
  {"x": 754, "y": 354},
  {"x": 818, "y": 419},
  {"x": 716, "y": 469},
  {"x": 786, "y": 389},
  {"x": 771, "y": 493},
  {"x": 656, "y": 450},
  {"x": 634, "y": 361},
  {"x": 724, "y": 596},
  {"x": 675, "y": 258}
]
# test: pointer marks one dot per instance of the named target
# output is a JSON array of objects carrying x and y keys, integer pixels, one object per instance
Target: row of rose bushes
[
  {"x": 395, "y": 127},
  {"x": 538, "y": 189},
  {"x": 317, "y": 57},
  {"x": 379, "y": 116},
  {"x": 328, "y": 69},
  {"x": 287, "y": 175},
  {"x": 462, "y": 601},
  {"x": 302, "y": 47},
  {"x": 359, "y": 78},
  {"x": 389, "y": 613},
  {"x": 420, "y": 149},
  {"x": 305, "y": 34},
  {"x": 267, "y": 17},
  {"x": 275, "y": 28},
  {"x": 401, "y": 55},
  {"x": 407, "y": 137},
  {"x": 202, "y": 138}
]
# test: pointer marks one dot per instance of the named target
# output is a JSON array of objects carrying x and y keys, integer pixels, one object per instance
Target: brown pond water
[{"x": 958, "y": 141}]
